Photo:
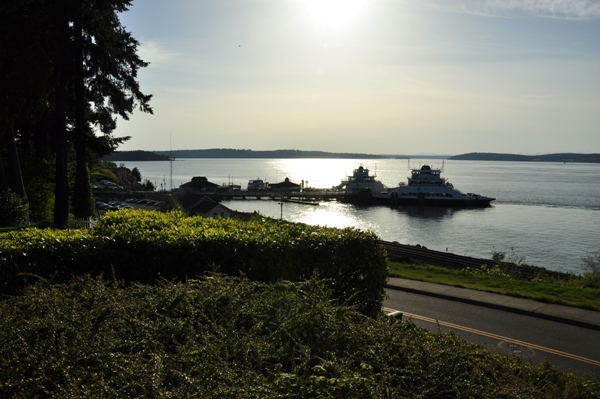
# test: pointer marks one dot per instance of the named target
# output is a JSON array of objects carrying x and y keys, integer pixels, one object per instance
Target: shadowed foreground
[{"x": 229, "y": 337}]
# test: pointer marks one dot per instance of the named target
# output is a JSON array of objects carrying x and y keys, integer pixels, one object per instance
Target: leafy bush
[
  {"x": 490, "y": 272},
  {"x": 591, "y": 266},
  {"x": 38, "y": 176},
  {"x": 169, "y": 203},
  {"x": 141, "y": 246},
  {"x": 514, "y": 265},
  {"x": 232, "y": 338},
  {"x": 511, "y": 257},
  {"x": 13, "y": 209},
  {"x": 148, "y": 184},
  {"x": 104, "y": 170}
]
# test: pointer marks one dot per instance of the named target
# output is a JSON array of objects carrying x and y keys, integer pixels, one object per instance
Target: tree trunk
[
  {"x": 82, "y": 193},
  {"x": 61, "y": 200},
  {"x": 3, "y": 178},
  {"x": 16, "y": 179}
]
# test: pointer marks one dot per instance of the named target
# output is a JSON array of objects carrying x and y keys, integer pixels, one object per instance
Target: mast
[{"x": 171, "y": 161}]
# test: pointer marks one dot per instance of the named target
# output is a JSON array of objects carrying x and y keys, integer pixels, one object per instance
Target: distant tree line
[
  {"x": 233, "y": 153},
  {"x": 561, "y": 157},
  {"x": 68, "y": 68},
  {"x": 132, "y": 156}
]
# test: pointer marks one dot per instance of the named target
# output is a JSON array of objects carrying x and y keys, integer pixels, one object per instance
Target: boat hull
[
  {"x": 462, "y": 203},
  {"x": 425, "y": 187},
  {"x": 391, "y": 200}
]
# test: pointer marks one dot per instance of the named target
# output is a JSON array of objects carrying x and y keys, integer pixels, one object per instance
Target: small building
[
  {"x": 209, "y": 208},
  {"x": 198, "y": 184},
  {"x": 285, "y": 185}
]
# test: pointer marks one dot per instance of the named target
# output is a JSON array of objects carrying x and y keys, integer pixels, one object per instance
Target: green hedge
[
  {"x": 232, "y": 338},
  {"x": 142, "y": 246}
]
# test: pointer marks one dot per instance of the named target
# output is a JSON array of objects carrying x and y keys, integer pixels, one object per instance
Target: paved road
[{"x": 569, "y": 347}]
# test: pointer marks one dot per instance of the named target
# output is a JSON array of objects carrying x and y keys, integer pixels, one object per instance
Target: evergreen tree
[
  {"x": 106, "y": 59},
  {"x": 149, "y": 185},
  {"x": 136, "y": 175},
  {"x": 67, "y": 69},
  {"x": 25, "y": 72}
]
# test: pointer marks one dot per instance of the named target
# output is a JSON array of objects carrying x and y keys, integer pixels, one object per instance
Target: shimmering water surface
[{"x": 547, "y": 212}]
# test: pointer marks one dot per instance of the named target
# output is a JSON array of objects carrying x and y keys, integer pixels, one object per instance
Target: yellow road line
[{"x": 498, "y": 337}]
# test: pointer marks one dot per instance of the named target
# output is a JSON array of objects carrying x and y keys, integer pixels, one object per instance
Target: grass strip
[{"x": 568, "y": 293}]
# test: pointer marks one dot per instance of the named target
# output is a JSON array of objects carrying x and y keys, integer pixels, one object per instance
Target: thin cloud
[
  {"x": 154, "y": 52},
  {"x": 562, "y": 9}
]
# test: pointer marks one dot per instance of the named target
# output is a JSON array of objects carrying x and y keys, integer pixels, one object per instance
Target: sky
[{"x": 368, "y": 76}]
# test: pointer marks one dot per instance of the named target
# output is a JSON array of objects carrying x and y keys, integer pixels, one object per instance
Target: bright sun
[{"x": 334, "y": 12}]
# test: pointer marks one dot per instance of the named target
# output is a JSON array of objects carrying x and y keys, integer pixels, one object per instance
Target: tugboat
[{"x": 425, "y": 186}]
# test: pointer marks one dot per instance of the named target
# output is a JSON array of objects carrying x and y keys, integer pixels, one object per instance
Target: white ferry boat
[
  {"x": 256, "y": 185},
  {"x": 361, "y": 185},
  {"x": 425, "y": 186}
]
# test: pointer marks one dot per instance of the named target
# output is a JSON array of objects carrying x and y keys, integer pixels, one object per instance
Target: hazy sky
[{"x": 371, "y": 76}]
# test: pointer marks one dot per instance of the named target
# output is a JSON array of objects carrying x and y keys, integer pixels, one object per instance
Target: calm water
[{"x": 547, "y": 212}]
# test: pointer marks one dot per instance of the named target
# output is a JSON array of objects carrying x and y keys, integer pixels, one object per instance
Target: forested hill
[
  {"x": 562, "y": 157},
  {"x": 129, "y": 156},
  {"x": 233, "y": 153}
]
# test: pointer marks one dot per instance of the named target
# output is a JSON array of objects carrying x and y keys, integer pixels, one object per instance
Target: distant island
[
  {"x": 233, "y": 153},
  {"x": 139, "y": 155},
  {"x": 561, "y": 157},
  {"x": 132, "y": 156}
]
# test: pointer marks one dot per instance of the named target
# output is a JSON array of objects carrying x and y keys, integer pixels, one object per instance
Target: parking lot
[{"x": 130, "y": 203}]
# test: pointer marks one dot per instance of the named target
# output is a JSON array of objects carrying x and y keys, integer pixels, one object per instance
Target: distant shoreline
[
  {"x": 560, "y": 157},
  {"x": 216, "y": 153}
]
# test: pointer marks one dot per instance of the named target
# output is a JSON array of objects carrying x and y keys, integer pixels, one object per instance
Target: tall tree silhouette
[
  {"x": 68, "y": 68},
  {"x": 106, "y": 60},
  {"x": 62, "y": 41},
  {"x": 25, "y": 73}
]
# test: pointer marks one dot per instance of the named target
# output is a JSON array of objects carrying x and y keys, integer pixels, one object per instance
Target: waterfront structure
[
  {"x": 285, "y": 185},
  {"x": 198, "y": 184},
  {"x": 207, "y": 207}
]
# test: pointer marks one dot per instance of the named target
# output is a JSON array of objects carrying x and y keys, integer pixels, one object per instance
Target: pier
[{"x": 308, "y": 196}]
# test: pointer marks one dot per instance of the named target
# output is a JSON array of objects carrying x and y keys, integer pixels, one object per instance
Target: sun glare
[{"x": 334, "y": 12}]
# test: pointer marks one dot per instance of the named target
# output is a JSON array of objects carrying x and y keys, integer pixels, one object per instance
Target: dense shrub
[
  {"x": 169, "y": 203},
  {"x": 13, "y": 209},
  {"x": 140, "y": 246},
  {"x": 232, "y": 338},
  {"x": 82, "y": 202},
  {"x": 591, "y": 266},
  {"x": 38, "y": 176}
]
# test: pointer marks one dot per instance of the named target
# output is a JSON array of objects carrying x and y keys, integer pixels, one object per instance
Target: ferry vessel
[
  {"x": 256, "y": 185},
  {"x": 425, "y": 186},
  {"x": 362, "y": 186}
]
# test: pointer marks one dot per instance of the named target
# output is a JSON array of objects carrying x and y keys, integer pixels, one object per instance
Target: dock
[{"x": 309, "y": 197}]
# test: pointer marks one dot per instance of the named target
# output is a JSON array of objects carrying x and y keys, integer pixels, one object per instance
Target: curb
[{"x": 558, "y": 319}]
